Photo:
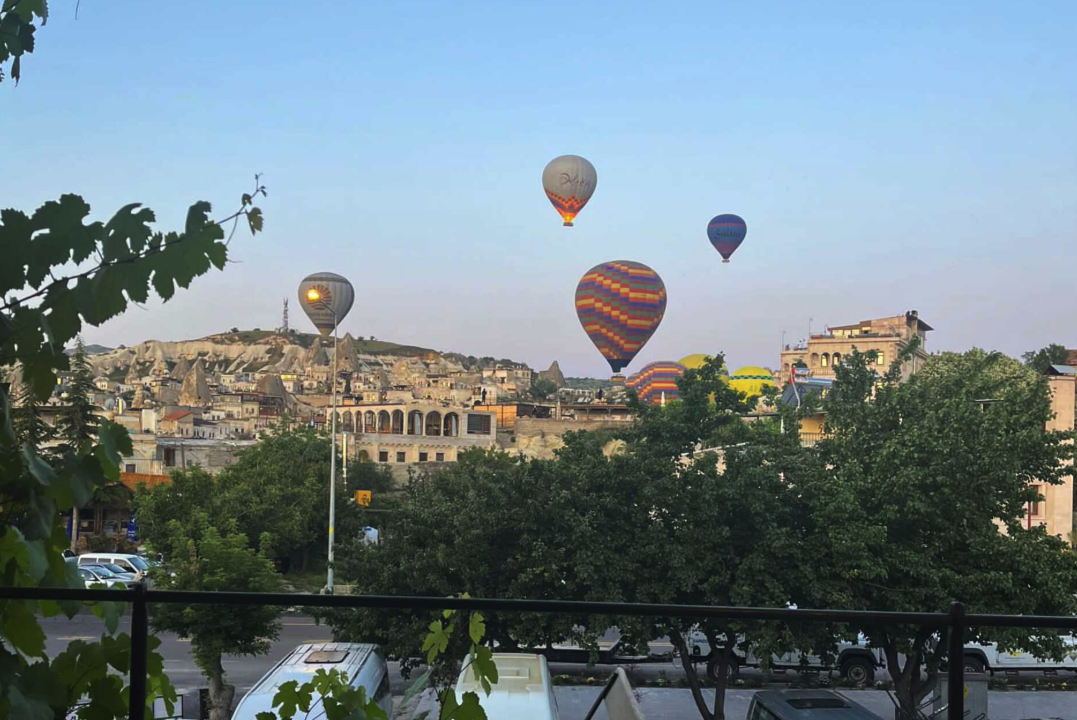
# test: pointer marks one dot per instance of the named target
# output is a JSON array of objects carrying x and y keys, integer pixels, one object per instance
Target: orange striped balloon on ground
[
  {"x": 620, "y": 304},
  {"x": 656, "y": 383},
  {"x": 569, "y": 182}
]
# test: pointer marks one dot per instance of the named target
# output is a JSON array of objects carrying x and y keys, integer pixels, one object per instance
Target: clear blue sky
[{"x": 886, "y": 156}]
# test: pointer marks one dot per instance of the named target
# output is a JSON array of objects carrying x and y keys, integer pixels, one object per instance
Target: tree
[
  {"x": 77, "y": 423},
  {"x": 919, "y": 477},
  {"x": 724, "y": 525},
  {"x": 30, "y": 428},
  {"x": 542, "y": 388},
  {"x": 1041, "y": 360},
  {"x": 41, "y": 310},
  {"x": 206, "y": 560}
]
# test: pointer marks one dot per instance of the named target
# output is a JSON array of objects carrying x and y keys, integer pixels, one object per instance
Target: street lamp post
[{"x": 333, "y": 463}]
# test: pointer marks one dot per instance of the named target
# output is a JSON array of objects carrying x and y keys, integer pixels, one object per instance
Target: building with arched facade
[
  {"x": 410, "y": 433},
  {"x": 884, "y": 337}
]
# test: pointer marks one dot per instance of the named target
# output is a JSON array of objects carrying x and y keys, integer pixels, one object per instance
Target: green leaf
[
  {"x": 469, "y": 708},
  {"x": 254, "y": 220},
  {"x": 22, "y": 630},
  {"x": 117, "y": 651},
  {"x": 436, "y": 641},
  {"x": 218, "y": 255},
  {"x": 418, "y": 686},
  {"x": 26, "y": 708},
  {"x": 63, "y": 314},
  {"x": 449, "y": 703},
  {"x": 110, "y": 612},
  {"x": 197, "y": 217},
  {"x": 13, "y": 547},
  {"x": 485, "y": 667},
  {"x": 116, "y": 441},
  {"x": 40, "y": 469},
  {"x": 476, "y": 627}
]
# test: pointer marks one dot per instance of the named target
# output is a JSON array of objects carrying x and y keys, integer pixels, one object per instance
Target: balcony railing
[{"x": 956, "y": 620}]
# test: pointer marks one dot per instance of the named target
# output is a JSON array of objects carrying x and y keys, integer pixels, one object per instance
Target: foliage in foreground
[{"x": 42, "y": 310}]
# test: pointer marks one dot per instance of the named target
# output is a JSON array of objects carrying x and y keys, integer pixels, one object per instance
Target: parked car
[
  {"x": 988, "y": 658},
  {"x": 806, "y": 705},
  {"x": 523, "y": 690},
  {"x": 364, "y": 665},
  {"x": 855, "y": 661},
  {"x": 93, "y": 574},
  {"x": 129, "y": 563},
  {"x": 116, "y": 570}
]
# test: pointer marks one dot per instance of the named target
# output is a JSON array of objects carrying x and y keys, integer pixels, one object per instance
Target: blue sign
[{"x": 132, "y": 530}]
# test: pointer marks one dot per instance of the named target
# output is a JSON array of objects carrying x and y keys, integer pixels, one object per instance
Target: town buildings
[{"x": 885, "y": 337}]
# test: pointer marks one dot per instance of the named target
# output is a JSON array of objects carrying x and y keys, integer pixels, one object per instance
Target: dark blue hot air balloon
[{"x": 726, "y": 233}]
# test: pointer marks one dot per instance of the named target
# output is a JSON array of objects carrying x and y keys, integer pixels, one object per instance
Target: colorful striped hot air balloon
[
  {"x": 569, "y": 182},
  {"x": 620, "y": 305},
  {"x": 656, "y": 383},
  {"x": 726, "y": 233}
]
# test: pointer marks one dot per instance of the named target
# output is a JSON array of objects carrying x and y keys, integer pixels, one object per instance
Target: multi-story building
[
  {"x": 886, "y": 337},
  {"x": 414, "y": 432},
  {"x": 1055, "y": 511}
]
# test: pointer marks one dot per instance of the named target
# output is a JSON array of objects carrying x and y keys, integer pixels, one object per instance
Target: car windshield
[
  {"x": 119, "y": 570},
  {"x": 102, "y": 571},
  {"x": 139, "y": 563}
]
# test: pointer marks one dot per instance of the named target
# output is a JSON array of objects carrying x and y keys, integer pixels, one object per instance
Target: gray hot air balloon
[
  {"x": 326, "y": 298},
  {"x": 569, "y": 182}
]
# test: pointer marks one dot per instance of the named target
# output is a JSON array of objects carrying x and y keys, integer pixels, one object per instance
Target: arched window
[
  {"x": 415, "y": 423},
  {"x": 837, "y": 358},
  {"x": 370, "y": 425},
  {"x": 398, "y": 422},
  {"x": 336, "y": 416},
  {"x": 383, "y": 421},
  {"x": 815, "y": 359},
  {"x": 826, "y": 359},
  {"x": 348, "y": 422},
  {"x": 433, "y": 423},
  {"x": 452, "y": 425}
]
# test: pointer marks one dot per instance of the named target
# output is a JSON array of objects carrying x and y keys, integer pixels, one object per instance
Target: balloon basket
[
  {"x": 725, "y": 261},
  {"x": 568, "y": 223}
]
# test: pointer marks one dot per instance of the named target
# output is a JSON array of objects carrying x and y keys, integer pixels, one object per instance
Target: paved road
[{"x": 574, "y": 701}]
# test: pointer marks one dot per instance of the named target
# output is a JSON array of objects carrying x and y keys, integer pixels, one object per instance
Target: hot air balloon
[
  {"x": 326, "y": 298},
  {"x": 751, "y": 380},
  {"x": 620, "y": 305},
  {"x": 726, "y": 233},
  {"x": 696, "y": 360},
  {"x": 656, "y": 383},
  {"x": 569, "y": 182}
]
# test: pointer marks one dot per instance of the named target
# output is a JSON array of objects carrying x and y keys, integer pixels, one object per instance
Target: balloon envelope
[
  {"x": 326, "y": 298},
  {"x": 751, "y": 380},
  {"x": 569, "y": 182},
  {"x": 656, "y": 383},
  {"x": 726, "y": 233},
  {"x": 620, "y": 304}
]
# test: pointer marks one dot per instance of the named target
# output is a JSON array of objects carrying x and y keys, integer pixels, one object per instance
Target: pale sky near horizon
[{"x": 886, "y": 156}]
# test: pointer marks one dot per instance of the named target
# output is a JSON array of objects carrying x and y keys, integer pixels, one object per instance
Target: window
[
  {"x": 129, "y": 467},
  {"x": 879, "y": 358},
  {"x": 440, "y": 457},
  {"x": 825, "y": 359},
  {"x": 170, "y": 457},
  {"x": 400, "y": 457},
  {"x": 478, "y": 424},
  {"x": 383, "y": 456},
  {"x": 1036, "y": 507},
  {"x": 423, "y": 457},
  {"x": 327, "y": 657},
  {"x": 383, "y": 689},
  {"x": 758, "y": 712}
]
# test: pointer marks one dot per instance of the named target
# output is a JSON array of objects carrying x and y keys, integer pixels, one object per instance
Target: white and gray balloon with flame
[{"x": 326, "y": 298}]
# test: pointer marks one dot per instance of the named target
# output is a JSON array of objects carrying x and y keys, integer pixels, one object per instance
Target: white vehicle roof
[
  {"x": 301, "y": 664},
  {"x": 523, "y": 690}
]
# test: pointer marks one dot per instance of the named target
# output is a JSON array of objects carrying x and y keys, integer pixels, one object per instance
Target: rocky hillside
[{"x": 238, "y": 351}]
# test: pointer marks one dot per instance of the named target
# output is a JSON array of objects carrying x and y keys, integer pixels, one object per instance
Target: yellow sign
[{"x": 362, "y": 497}]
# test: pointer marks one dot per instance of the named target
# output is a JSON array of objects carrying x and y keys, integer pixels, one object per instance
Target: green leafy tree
[
  {"x": 42, "y": 309},
  {"x": 17, "y": 27},
  {"x": 543, "y": 388},
  {"x": 919, "y": 477},
  {"x": 77, "y": 423},
  {"x": 30, "y": 427},
  {"x": 1041, "y": 360},
  {"x": 723, "y": 526},
  {"x": 206, "y": 560}
]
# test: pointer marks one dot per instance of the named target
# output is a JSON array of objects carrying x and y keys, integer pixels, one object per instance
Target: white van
[
  {"x": 523, "y": 690},
  {"x": 129, "y": 563},
  {"x": 364, "y": 665}
]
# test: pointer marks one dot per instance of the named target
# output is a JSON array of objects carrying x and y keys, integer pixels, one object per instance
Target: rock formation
[
  {"x": 195, "y": 390},
  {"x": 181, "y": 369},
  {"x": 554, "y": 375}
]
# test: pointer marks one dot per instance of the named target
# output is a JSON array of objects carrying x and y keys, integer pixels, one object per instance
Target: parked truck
[
  {"x": 855, "y": 662},
  {"x": 988, "y": 658}
]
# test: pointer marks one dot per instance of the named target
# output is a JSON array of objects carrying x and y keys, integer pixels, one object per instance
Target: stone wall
[{"x": 541, "y": 437}]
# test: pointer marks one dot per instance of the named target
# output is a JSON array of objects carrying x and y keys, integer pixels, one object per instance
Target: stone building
[
  {"x": 885, "y": 336},
  {"x": 408, "y": 433},
  {"x": 1055, "y": 511}
]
